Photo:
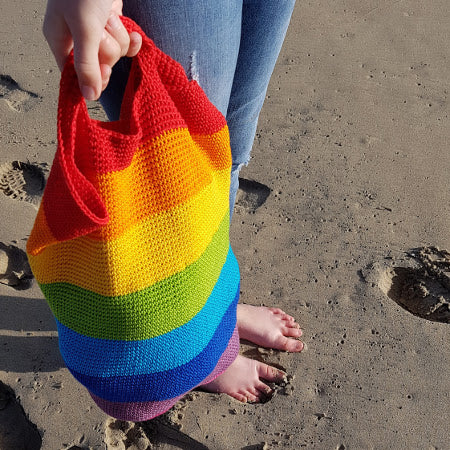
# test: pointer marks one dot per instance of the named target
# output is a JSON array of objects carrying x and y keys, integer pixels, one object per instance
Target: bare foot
[
  {"x": 268, "y": 327},
  {"x": 242, "y": 380}
]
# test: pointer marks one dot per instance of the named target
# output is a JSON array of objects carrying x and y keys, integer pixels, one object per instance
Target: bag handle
[
  {"x": 113, "y": 143},
  {"x": 72, "y": 189}
]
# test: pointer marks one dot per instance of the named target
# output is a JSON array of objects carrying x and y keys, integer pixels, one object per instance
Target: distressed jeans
[{"x": 229, "y": 46}]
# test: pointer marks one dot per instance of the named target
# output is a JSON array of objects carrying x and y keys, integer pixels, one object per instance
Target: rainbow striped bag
[{"x": 130, "y": 245}]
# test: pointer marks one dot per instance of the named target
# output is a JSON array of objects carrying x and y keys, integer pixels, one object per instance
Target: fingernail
[
  {"x": 88, "y": 92},
  {"x": 114, "y": 21}
]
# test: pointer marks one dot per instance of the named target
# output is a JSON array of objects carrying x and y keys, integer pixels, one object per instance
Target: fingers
[
  {"x": 116, "y": 30},
  {"x": 115, "y": 43},
  {"x": 94, "y": 67},
  {"x": 135, "y": 44},
  {"x": 87, "y": 35},
  {"x": 109, "y": 53},
  {"x": 97, "y": 36},
  {"x": 105, "y": 71}
]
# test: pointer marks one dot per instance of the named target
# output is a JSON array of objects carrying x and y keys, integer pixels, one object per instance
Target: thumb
[{"x": 86, "y": 42}]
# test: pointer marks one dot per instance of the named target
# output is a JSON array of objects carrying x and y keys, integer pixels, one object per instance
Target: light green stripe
[{"x": 150, "y": 312}]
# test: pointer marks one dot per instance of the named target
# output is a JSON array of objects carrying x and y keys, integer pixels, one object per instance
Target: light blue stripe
[{"x": 105, "y": 357}]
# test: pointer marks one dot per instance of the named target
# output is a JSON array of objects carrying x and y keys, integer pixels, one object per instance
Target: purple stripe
[{"x": 141, "y": 411}]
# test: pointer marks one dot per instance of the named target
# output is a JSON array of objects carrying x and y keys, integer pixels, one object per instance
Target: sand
[{"x": 342, "y": 221}]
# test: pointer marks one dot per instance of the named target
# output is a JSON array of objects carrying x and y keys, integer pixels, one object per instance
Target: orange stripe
[
  {"x": 135, "y": 193},
  {"x": 172, "y": 154},
  {"x": 40, "y": 236}
]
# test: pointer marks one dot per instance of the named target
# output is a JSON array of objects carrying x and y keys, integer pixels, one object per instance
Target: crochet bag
[{"x": 130, "y": 245}]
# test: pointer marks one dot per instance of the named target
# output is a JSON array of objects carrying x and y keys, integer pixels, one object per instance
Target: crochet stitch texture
[{"x": 130, "y": 245}]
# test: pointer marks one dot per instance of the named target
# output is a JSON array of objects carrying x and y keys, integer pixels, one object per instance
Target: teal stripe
[{"x": 104, "y": 357}]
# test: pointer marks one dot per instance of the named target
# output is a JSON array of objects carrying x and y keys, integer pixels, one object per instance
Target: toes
[
  {"x": 281, "y": 313},
  {"x": 291, "y": 324},
  {"x": 289, "y": 344},
  {"x": 288, "y": 318},
  {"x": 269, "y": 373},
  {"x": 256, "y": 393},
  {"x": 251, "y": 397},
  {"x": 263, "y": 388},
  {"x": 240, "y": 397},
  {"x": 291, "y": 332}
]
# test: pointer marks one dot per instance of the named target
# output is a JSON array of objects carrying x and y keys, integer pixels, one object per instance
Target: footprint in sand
[
  {"x": 424, "y": 290},
  {"x": 251, "y": 195},
  {"x": 23, "y": 181},
  {"x": 121, "y": 435},
  {"x": 16, "y": 98},
  {"x": 16, "y": 431},
  {"x": 14, "y": 268}
]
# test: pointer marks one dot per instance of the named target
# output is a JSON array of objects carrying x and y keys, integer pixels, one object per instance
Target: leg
[
  {"x": 229, "y": 47},
  {"x": 203, "y": 36},
  {"x": 263, "y": 30},
  {"x": 264, "y": 25}
]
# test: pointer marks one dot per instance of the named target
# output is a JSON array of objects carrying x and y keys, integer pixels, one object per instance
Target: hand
[{"x": 98, "y": 38}]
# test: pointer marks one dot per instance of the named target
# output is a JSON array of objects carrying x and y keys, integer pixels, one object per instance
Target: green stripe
[{"x": 150, "y": 312}]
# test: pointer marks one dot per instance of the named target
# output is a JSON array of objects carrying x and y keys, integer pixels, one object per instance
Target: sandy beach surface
[{"x": 342, "y": 220}]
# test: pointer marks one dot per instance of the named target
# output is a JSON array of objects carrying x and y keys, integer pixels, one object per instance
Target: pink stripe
[{"x": 141, "y": 411}]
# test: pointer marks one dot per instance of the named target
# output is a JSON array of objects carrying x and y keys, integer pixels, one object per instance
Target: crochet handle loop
[{"x": 74, "y": 161}]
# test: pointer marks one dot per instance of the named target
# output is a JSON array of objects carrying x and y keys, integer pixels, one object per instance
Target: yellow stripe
[
  {"x": 187, "y": 162},
  {"x": 152, "y": 250}
]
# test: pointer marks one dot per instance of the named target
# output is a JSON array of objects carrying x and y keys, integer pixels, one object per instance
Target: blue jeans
[{"x": 229, "y": 46}]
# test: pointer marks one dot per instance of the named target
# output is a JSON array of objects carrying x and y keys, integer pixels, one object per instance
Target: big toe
[
  {"x": 289, "y": 344},
  {"x": 270, "y": 373}
]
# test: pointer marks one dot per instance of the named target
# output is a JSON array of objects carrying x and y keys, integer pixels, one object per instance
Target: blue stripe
[
  {"x": 170, "y": 383},
  {"x": 105, "y": 357}
]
